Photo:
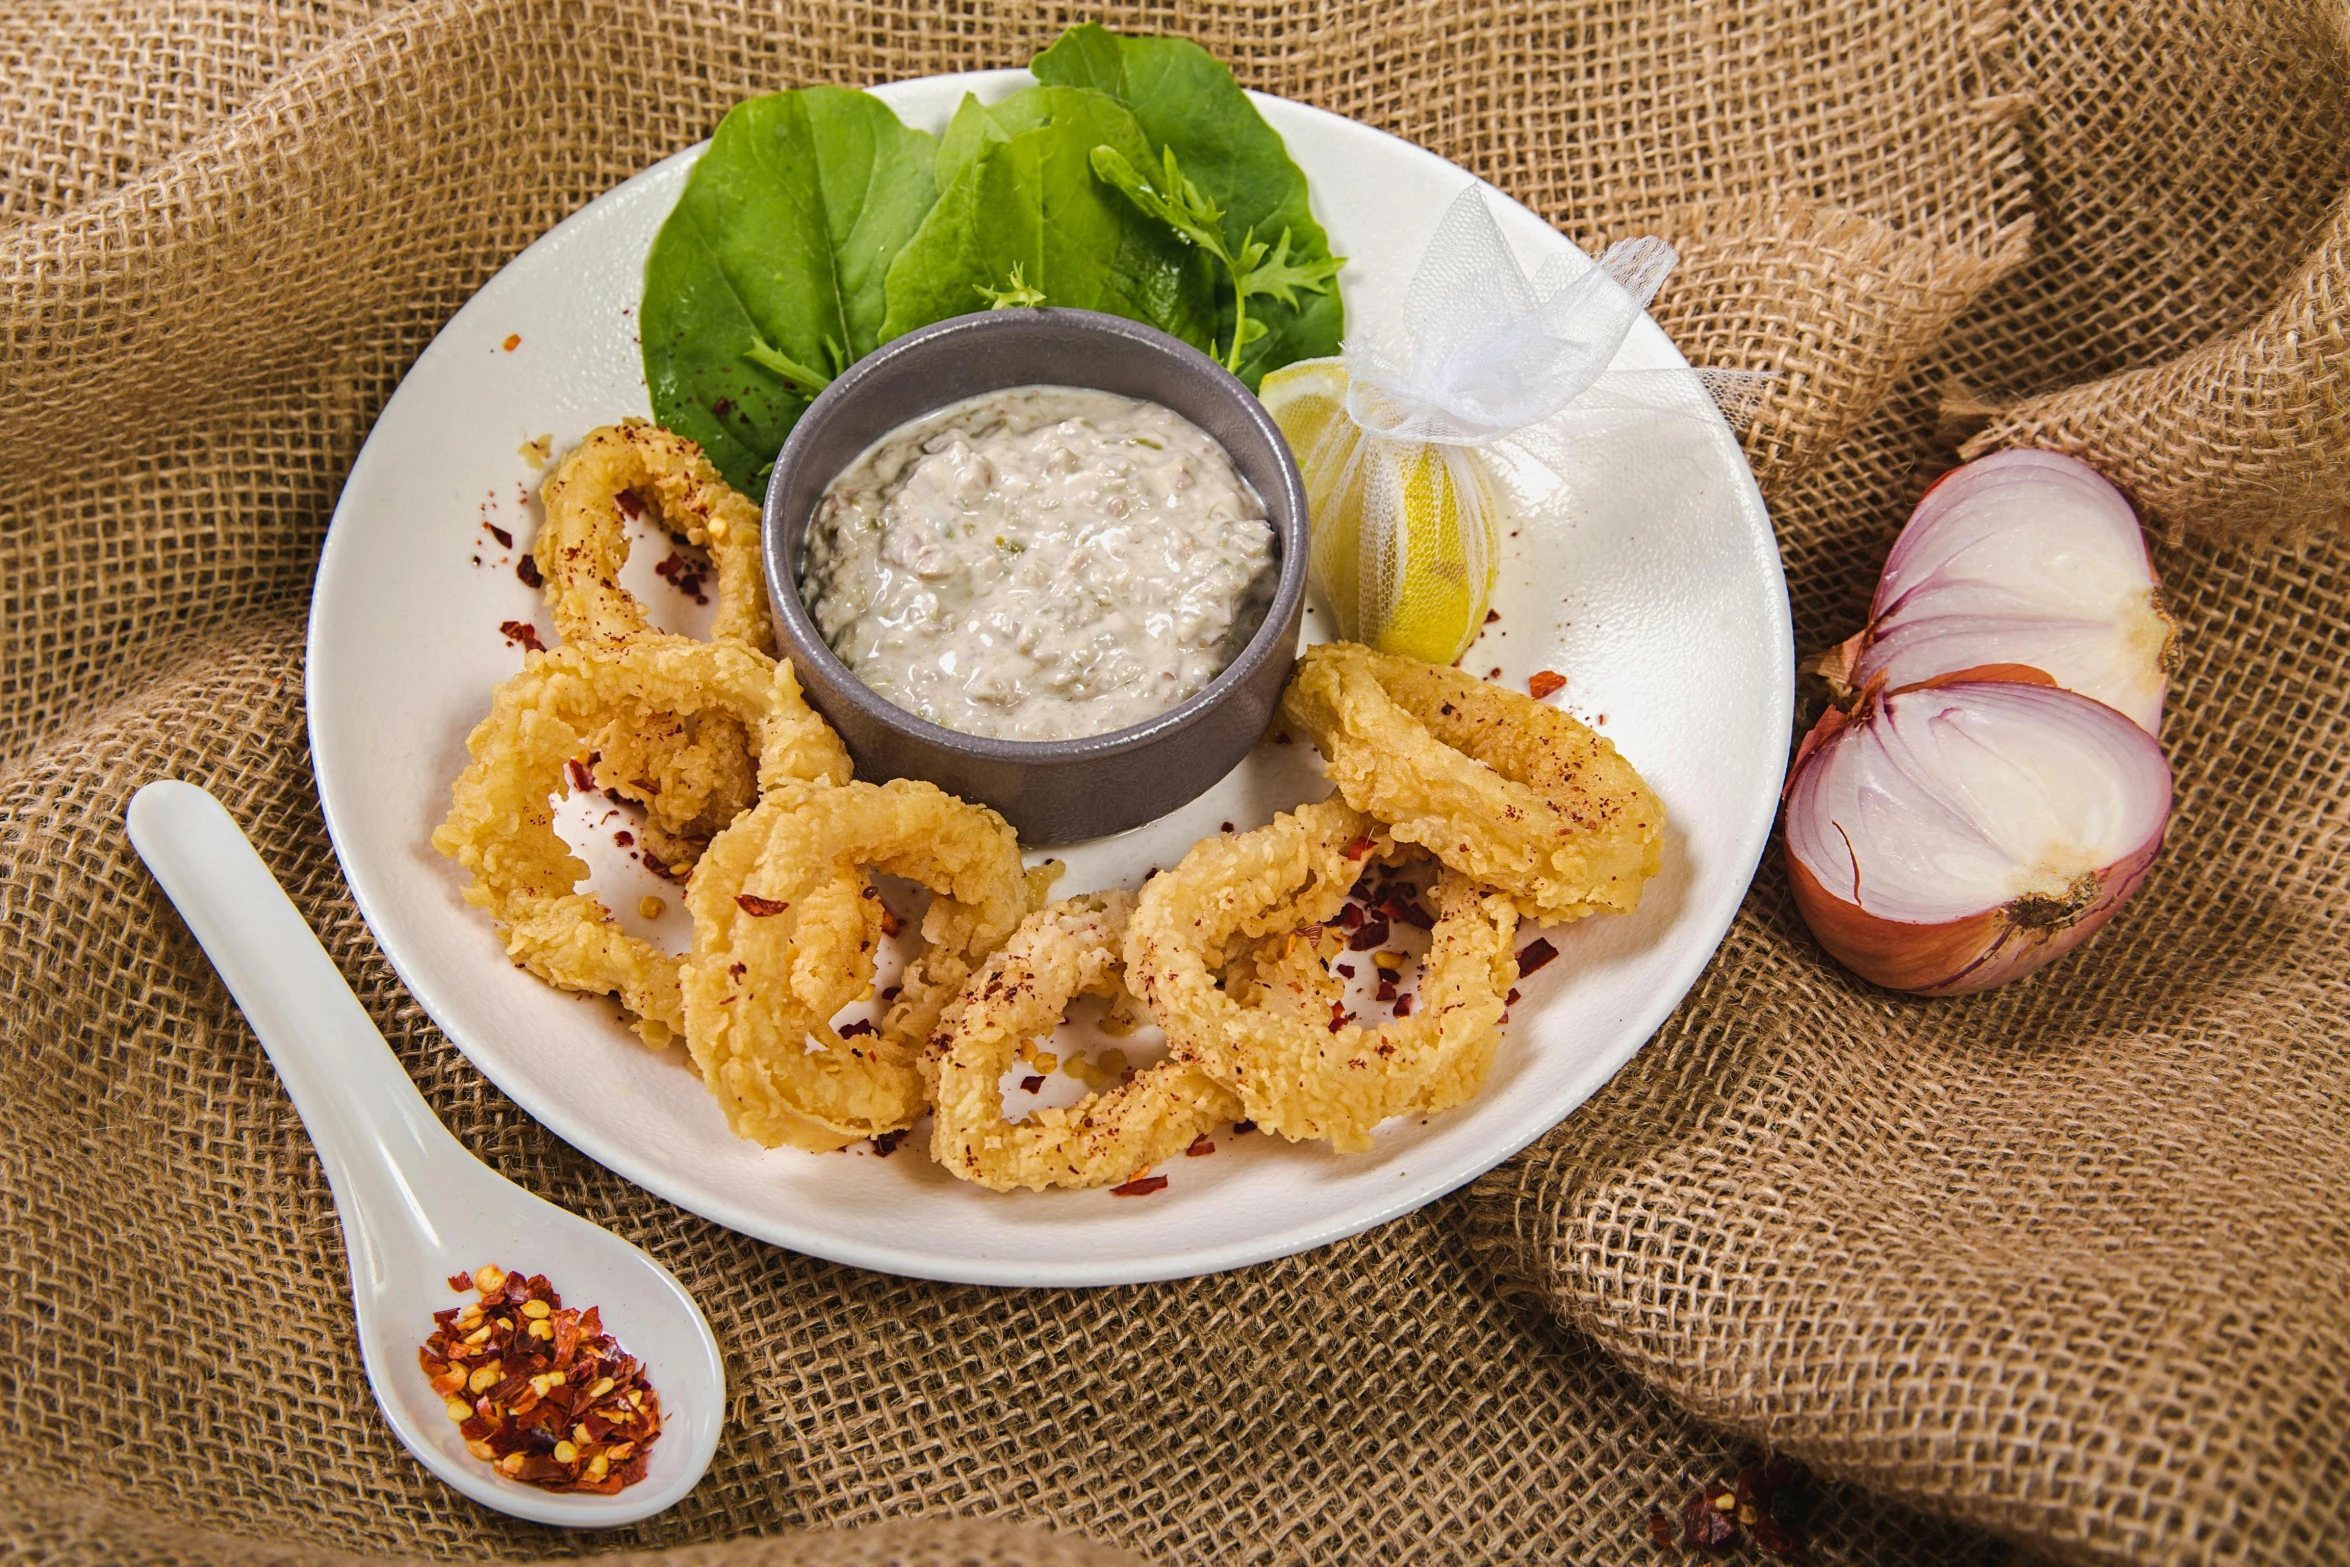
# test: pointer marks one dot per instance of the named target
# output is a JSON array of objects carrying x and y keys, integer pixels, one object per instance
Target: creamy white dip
[{"x": 1039, "y": 563}]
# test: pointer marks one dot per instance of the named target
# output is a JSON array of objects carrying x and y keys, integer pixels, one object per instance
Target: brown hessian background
[{"x": 2062, "y": 1271}]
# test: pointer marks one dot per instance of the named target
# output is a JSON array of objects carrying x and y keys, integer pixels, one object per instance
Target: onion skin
[
  {"x": 1984, "y": 947},
  {"x": 1962, "y": 956}
]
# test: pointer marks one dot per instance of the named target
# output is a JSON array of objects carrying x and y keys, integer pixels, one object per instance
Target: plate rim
[{"x": 1011, "y": 1272}]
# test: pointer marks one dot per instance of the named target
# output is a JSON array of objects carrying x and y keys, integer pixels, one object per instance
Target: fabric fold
[{"x": 2057, "y": 1264}]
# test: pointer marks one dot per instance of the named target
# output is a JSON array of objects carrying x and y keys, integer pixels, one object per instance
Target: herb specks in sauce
[{"x": 1040, "y": 563}]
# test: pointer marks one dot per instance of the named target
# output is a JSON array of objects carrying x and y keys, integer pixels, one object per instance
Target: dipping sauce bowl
[{"x": 1051, "y": 791}]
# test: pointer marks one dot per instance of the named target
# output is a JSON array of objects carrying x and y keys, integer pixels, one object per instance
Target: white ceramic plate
[{"x": 1657, "y": 590}]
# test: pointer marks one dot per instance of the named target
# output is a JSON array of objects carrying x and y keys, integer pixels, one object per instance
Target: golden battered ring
[
  {"x": 777, "y": 955},
  {"x": 1070, "y": 949},
  {"x": 583, "y": 543},
  {"x": 1517, "y": 796},
  {"x": 501, "y": 825},
  {"x": 692, "y": 779},
  {"x": 1255, "y": 905}
]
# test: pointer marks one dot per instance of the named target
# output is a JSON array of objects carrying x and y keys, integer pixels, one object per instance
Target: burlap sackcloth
[{"x": 2065, "y": 1262}]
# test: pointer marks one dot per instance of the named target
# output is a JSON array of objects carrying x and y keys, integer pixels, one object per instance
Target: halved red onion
[
  {"x": 2022, "y": 558},
  {"x": 1948, "y": 838}
]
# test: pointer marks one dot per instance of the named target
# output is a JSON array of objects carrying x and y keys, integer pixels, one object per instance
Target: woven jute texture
[
  {"x": 2192, "y": 197},
  {"x": 2067, "y": 1259},
  {"x": 2066, "y": 1263}
]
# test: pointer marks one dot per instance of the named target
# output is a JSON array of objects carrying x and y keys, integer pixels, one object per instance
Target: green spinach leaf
[
  {"x": 1021, "y": 216},
  {"x": 1186, "y": 101},
  {"x": 768, "y": 278}
]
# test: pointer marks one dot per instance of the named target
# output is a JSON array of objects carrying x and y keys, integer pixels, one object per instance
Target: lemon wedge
[{"x": 1406, "y": 534}]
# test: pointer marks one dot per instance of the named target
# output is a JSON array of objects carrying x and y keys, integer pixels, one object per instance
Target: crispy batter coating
[
  {"x": 1270, "y": 1033},
  {"x": 583, "y": 543},
  {"x": 1069, "y": 950},
  {"x": 693, "y": 773},
  {"x": 777, "y": 951},
  {"x": 501, "y": 826},
  {"x": 1517, "y": 796},
  {"x": 691, "y": 778}
]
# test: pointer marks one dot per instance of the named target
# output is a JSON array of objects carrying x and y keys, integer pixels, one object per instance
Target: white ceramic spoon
[{"x": 415, "y": 1206}]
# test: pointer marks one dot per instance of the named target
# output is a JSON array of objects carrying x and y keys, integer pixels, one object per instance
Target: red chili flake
[
  {"x": 513, "y": 341},
  {"x": 1243, "y": 1128},
  {"x": 630, "y": 506},
  {"x": 1227, "y": 827},
  {"x": 1357, "y": 849},
  {"x": 1703, "y": 1525},
  {"x": 1140, "y": 1186},
  {"x": 887, "y": 1143},
  {"x": 1543, "y": 682},
  {"x": 757, "y": 907},
  {"x": 1403, "y": 1005},
  {"x": 1374, "y": 933},
  {"x": 527, "y": 569},
  {"x": 1351, "y": 916},
  {"x": 1281, "y": 737},
  {"x": 1534, "y": 954},
  {"x": 1491, "y": 616},
  {"x": 582, "y": 781},
  {"x": 505, "y": 539},
  {"x": 1494, "y": 673},
  {"x": 624, "y": 838},
  {"x": 1402, "y": 906},
  {"x": 522, "y": 634},
  {"x": 1511, "y": 999},
  {"x": 862, "y": 1026},
  {"x": 541, "y": 1392},
  {"x": 1386, "y": 990},
  {"x": 892, "y": 992},
  {"x": 1660, "y": 1527},
  {"x": 1344, "y": 970},
  {"x": 1779, "y": 1487},
  {"x": 1200, "y": 1147},
  {"x": 1031, "y": 1083},
  {"x": 684, "y": 575},
  {"x": 1339, "y": 1016}
]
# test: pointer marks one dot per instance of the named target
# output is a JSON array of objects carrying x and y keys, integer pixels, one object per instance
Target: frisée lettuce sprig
[{"x": 1256, "y": 269}]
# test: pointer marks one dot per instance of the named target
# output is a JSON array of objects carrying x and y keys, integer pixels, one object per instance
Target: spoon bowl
[{"x": 416, "y": 1207}]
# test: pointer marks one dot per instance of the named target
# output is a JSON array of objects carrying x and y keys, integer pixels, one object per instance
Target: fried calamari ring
[
  {"x": 583, "y": 542},
  {"x": 774, "y": 959},
  {"x": 692, "y": 779},
  {"x": 1270, "y": 1034},
  {"x": 1069, "y": 950},
  {"x": 1515, "y": 795},
  {"x": 501, "y": 825}
]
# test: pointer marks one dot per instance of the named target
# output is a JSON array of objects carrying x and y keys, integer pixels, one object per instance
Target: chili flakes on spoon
[{"x": 539, "y": 1391}]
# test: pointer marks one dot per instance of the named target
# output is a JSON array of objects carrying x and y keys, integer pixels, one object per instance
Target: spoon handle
[{"x": 372, "y": 1129}]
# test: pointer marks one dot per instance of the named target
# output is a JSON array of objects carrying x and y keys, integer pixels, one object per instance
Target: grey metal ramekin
[{"x": 1052, "y": 791}]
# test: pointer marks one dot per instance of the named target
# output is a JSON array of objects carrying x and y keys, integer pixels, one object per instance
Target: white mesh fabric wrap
[{"x": 1479, "y": 389}]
